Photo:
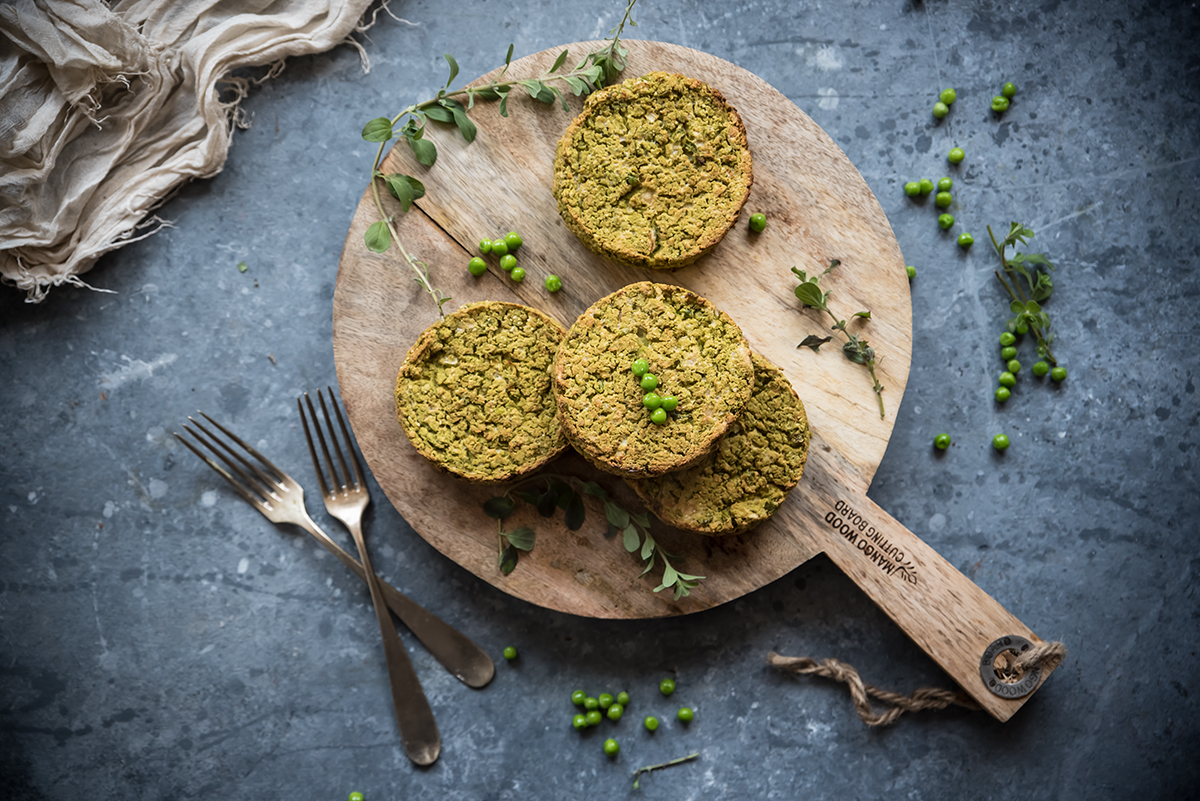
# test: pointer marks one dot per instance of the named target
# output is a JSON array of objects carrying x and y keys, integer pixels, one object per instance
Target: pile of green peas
[
  {"x": 1000, "y": 101},
  {"x": 1012, "y": 366},
  {"x": 592, "y": 710},
  {"x": 505, "y": 247},
  {"x": 945, "y": 100},
  {"x": 657, "y": 404}
]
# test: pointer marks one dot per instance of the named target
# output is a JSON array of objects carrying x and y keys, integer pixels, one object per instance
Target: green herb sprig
[
  {"x": 566, "y": 493},
  {"x": 1033, "y": 269},
  {"x": 856, "y": 349},
  {"x": 637, "y": 781},
  {"x": 592, "y": 72}
]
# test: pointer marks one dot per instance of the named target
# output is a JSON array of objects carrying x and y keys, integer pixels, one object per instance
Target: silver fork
[{"x": 346, "y": 498}]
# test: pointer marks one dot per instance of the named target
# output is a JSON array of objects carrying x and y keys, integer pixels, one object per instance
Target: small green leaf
[
  {"x": 424, "y": 150},
  {"x": 487, "y": 93},
  {"x": 378, "y": 237},
  {"x": 594, "y": 489},
  {"x": 813, "y": 341},
  {"x": 465, "y": 126},
  {"x": 522, "y": 538},
  {"x": 508, "y": 559},
  {"x": 557, "y": 94},
  {"x": 641, "y": 518},
  {"x": 669, "y": 574},
  {"x": 558, "y": 62},
  {"x": 1016, "y": 307},
  {"x": 853, "y": 353},
  {"x": 576, "y": 513},
  {"x": 439, "y": 113},
  {"x": 688, "y": 577},
  {"x": 378, "y": 130},
  {"x": 548, "y": 502},
  {"x": 648, "y": 547},
  {"x": 630, "y": 539},
  {"x": 616, "y": 515},
  {"x": 453, "y": 69},
  {"x": 577, "y": 85},
  {"x": 504, "y": 105},
  {"x": 508, "y": 58},
  {"x": 530, "y": 498},
  {"x": 865, "y": 314},
  {"x": 402, "y": 190},
  {"x": 498, "y": 507},
  {"x": 810, "y": 295}
]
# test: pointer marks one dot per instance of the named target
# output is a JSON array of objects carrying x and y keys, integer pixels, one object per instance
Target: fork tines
[
  {"x": 347, "y": 481},
  {"x": 255, "y": 484}
]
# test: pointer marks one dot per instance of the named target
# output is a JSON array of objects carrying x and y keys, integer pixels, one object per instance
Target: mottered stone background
[{"x": 160, "y": 640}]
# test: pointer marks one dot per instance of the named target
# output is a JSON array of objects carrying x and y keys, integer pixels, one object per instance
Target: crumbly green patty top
[
  {"x": 698, "y": 354},
  {"x": 474, "y": 392},
  {"x": 654, "y": 171},
  {"x": 748, "y": 474}
]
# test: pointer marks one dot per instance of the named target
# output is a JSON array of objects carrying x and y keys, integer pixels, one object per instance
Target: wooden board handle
[{"x": 943, "y": 611}]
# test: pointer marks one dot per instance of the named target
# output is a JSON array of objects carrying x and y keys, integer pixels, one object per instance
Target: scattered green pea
[
  {"x": 513, "y": 240},
  {"x": 477, "y": 266},
  {"x": 651, "y": 401},
  {"x": 948, "y": 96},
  {"x": 912, "y": 188},
  {"x": 507, "y": 262},
  {"x": 579, "y": 721},
  {"x": 651, "y": 723},
  {"x": 1008, "y": 90},
  {"x": 612, "y": 747},
  {"x": 1007, "y": 339},
  {"x": 615, "y": 711},
  {"x": 685, "y": 715},
  {"x": 649, "y": 381},
  {"x": 1008, "y": 353},
  {"x": 1058, "y": 374},
  {"x": 946, "y": 221},
  {"x": 623, "y": 698},
  {"x": 666, "y": 686},
  {"x": 944, "y": 184},
  {"x": 1000, "y": 442},
  {"x": 518, "y": 274},
  {"x": 243, "y": 267},
  {"x": 926, "y": 186},
  {"x": 590, "y": 703},
  {"x": 758, "y": 222},
  {"x": 670, "y": 403},
  {"x": 965, "y": 240},
  {"x": 911, "y": 271},
  {"x": 578, "y": 697},
  {"x": 553, "y": 283},
  {"x": 941, "y": 441},
  {"x": 355, "y": 796},
  {"x": 943, "y": 199},
  {"x": 1014, "y": 366},
  {"x": 606, "y": 700},
  {"x": 640, "y": 367},
  {"x": 485, "y": 246},
  {"x": 1007, "y": 379},
  {"x": 1040, "y": 368},
  {"x": 658, "y": 417},
  {"x": 510, "y": 653},
  {"x": 940, "y": 109},
  {"x": 594, "y": 717},
  {"x": 1003, "y": 394},
  {"x": 957, "y": 154},
  {"x": 499, "y": 247},
  {"x": 999, "y": 104}
]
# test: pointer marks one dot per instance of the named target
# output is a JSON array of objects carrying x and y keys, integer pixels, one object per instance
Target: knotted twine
[{"x": 1047, "y": 655}]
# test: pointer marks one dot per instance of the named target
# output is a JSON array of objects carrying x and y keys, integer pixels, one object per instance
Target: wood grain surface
[{"x": 818, "y": 208}]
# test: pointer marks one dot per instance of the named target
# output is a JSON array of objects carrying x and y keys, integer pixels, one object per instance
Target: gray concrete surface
[{"x": 160, "y": 640}]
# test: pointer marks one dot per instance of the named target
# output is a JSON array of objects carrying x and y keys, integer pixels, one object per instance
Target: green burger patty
[
  {"x": 474, "y": 392},
  {"x": 748, "y": 474},
  {"x": 698, "y": 354},
  {"x": 654, "y": 171}
]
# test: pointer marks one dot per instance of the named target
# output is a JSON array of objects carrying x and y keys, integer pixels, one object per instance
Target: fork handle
[{"x": 465, "y": 660}]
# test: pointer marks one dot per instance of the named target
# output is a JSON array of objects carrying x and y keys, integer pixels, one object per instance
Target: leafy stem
[
  {"x": 856, "y": 348},
  {"x": 1027, "y": 281},
  {"x": 567, "y": 493},
  {"x": 648, "y": 768}
]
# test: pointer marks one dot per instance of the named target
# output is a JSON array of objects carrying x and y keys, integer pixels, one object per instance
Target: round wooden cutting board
[{"x": 818, "y": 208}]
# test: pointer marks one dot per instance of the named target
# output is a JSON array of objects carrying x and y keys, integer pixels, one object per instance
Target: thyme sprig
[
  {"x": 592, "y": 72},
  {"x": 856, "y": 348},
  {"x": 566, "y": 493},
  {"x": 1034, "y": 269}
]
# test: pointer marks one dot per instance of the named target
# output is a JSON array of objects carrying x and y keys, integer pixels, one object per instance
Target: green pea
[
  {"x": 1007, "y": 339},
  {"x": 510, "y": 653},
  {"x": 507, "y": 262},
  {"x": 957, "y": 154},
  {"x": 911, "y": 271},
  {"x": 1008, "y": 353},
  {"x": 658, "y": 417},
  {"x": 999, "y": 104},
  {"x": 649, "y": 381},
  {"x": 1008, "y": 90},
  {"x": 1000, "y": 442},
  {"x": 965, "y": 240},
  {"x": 615, "y": 711},
  {"x": 553, "y": 283},
  {"x": 485, "y": 246},
  {"x": 912, "y": 188},
  {"x": 670, "y": 403},
  {"x": 944, "y": 184},
  {"x": 518, "y": 274},
  {"x": 499, "y": 247},
  {"x": 1014, "y": 366},
  {"x": 578, "y": 697},
  {"x": 940, "y": 109},
  {"x": 355, "y": 796},
  {"x": 948, "y": 96},
  {"x": 640, "y": 367},
  {"x": 758, "y": 222},
  {"x": 1007, "y": 379},
  {"x": 477, "y": 266},
  {"x": 612, "y": 747},
  {"x": 1040, "y": 368},
  {"x": 579, "y": 721},
  {"x": 594, "y": 717},
  {"x": 651, "y": 401},
  {"x": 926, "y": 186},
  {"x": 513, "y": 240},
  {"x": 941, "y": 441},
  {"x": 623, "y": 698},
  {"x": 591, "y": 703},
  {"x": 666, "y": 686},
  {"x": 1023, "y": 329},
  {"x": 606, "y": 700},
  {"x": 943, "y": 199},
  {"x": 685, "y": 715},
  {"x": 1058, "y": 374},
  {"x": 651, "y": 723},
  {"x": 1002, "y": 394},
  {"x": 946, "y": 221}
]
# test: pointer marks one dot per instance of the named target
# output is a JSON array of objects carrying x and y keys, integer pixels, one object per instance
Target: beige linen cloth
[{"x": 106, "y": 108}]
